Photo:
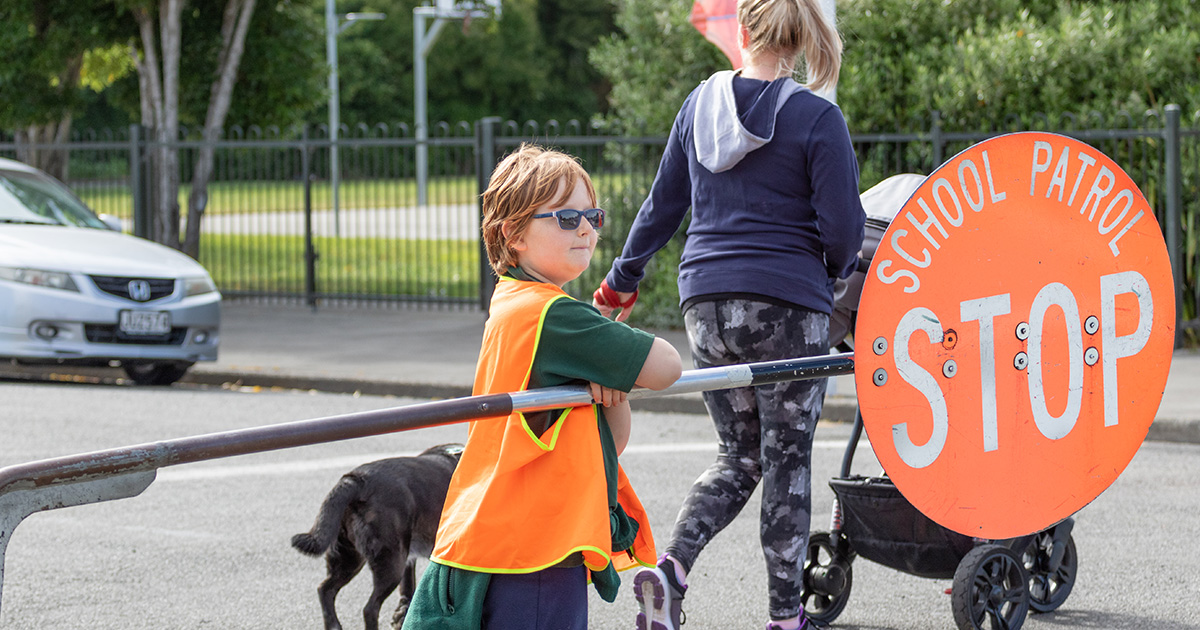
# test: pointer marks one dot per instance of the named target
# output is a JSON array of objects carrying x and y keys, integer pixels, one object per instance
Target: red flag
[{"x": 717, "y": 22}]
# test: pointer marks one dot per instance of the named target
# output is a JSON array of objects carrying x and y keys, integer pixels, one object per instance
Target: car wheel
[{"x": 156, "y": 372}]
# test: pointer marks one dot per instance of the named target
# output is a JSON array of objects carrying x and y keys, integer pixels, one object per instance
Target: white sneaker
[{"x": 659, "y": 598}]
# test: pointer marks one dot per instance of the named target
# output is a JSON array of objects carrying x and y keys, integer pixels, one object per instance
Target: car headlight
[
  {"x": 39, "y": 277},
  {"x": 198, "y": 286}
]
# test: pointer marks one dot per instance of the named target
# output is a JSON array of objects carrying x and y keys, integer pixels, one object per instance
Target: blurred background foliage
[{"x": 977, "y": 62}]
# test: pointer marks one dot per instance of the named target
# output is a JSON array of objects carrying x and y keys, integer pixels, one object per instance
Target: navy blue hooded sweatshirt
[{"x": 771, "y": 177}]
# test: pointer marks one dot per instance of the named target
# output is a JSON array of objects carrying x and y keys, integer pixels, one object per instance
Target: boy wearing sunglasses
[{"x": 539, "y": 504}]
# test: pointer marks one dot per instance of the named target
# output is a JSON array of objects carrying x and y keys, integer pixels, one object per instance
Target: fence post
[
  {"x": 310, "y": 252},
  {"x": 141, "y": 214},
  {"x": 485, "y": 161},
  {"x": 935, "y": 137},
  {"x": 1174, "y": 203}
]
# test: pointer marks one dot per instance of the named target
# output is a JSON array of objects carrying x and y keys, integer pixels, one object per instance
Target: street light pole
[
  {"x": 422, "y": 42},
  {"x": 333, "y": 27},
  {"x": 331, "y": 31},
  {"x": 829, "y": 10}
]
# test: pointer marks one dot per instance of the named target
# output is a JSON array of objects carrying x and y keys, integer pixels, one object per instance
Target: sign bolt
[
  {"x": 1091, "y": 325},
  {"x": 880, "y": 345},
  {"x": 1091, "y": 355},
  {"x": 949, "y": 368},
  {"x": 880, "y": 377},
  {"x": 1021, "y": 361},
  {"x": 1023, "y": 331}
]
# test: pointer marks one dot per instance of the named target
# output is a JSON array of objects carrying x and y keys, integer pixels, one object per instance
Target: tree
[
  {"x": 159, "y": 55},
  {"x": 654, "y": 61},
  {"x": 54, "y": 49},
  {"x": 529, "y": 64},
  {"x": 980, "y": 62}
]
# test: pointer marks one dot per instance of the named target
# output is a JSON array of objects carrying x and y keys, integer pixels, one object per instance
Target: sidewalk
[{"x": 432, "y": 353}]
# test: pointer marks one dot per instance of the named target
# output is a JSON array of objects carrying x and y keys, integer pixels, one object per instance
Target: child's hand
[
  {"x": 616, "y": 412},
  {"x": 606, "y": 396}
]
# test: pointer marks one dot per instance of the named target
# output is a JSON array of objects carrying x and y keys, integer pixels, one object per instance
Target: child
[{"x": 538, "y": 503}]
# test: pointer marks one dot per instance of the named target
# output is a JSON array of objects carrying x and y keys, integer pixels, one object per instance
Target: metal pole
[
  {"x": 422, "y": 42},
  {"x": 935, "y": 138},
  {"x": 829, "y": 10},
  {"x": 485, "y": 161},
  {"x": 88, "y": 466},
  {"x": 141, "y": 214},
  {"x": 419, "y": 98},
  {"x": 331, "y": 31},
  {"x": 310, "y": 251},
  {"x": 1174, "y": 204},
  {"x": 333, "y": 26},
  {"x": 125, "y": 472}
]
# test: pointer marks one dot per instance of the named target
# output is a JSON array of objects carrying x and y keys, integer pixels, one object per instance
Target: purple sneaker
[
  {"x": 659, "y": 598},
  {"x": 806, "y": 623}
]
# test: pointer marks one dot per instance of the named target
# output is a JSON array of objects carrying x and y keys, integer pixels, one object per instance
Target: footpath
[{"x": 431, "y": 354}]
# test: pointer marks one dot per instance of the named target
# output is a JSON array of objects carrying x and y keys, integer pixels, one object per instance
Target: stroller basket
[{"x": 883, "y": 527}]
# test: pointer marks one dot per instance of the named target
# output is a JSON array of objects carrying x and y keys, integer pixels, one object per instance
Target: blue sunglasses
[{"x": 569, "y": 219}]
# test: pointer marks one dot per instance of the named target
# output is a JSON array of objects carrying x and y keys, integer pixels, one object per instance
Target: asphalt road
[{"x": 206, "y": 546}]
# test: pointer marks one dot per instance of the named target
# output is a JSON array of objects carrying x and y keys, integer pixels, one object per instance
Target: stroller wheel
[
  {"x": 991, "y": 590},
  {"x": 827, "y": 577},
  {"x": 1050, "y": 578}
]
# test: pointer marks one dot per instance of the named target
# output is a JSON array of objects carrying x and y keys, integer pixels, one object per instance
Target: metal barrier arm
[{"x": 126, "y": 471}]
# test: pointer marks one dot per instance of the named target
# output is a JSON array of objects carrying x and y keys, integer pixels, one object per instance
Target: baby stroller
[{"x": 995, "y": 582}]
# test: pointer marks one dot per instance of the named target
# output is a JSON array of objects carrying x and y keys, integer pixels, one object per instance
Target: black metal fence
[{"x": 278, "y": 228}]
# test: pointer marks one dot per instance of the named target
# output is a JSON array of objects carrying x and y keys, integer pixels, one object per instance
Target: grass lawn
[
  {"x": 276, "y": 196},
  {"x": 359, "y": 266},
  {"x": 251, "y": 196}
]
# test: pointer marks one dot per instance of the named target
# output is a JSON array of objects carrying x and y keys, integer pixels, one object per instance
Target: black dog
[{"x": 384, "y": 513}]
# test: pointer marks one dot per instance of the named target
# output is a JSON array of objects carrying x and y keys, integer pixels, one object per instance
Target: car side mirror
[{"x": 113, "y": 223}]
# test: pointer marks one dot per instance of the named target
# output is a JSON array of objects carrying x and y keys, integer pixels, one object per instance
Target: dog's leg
[
  {"x": 385, "y": 567},
  {"x": 408, "y": 585},
  {"x": 343, "y": 562}
]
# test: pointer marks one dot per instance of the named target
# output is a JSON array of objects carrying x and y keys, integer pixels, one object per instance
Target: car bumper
[{"x": 48, "y": 324}]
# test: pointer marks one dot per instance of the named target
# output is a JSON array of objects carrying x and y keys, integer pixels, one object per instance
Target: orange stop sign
[{"x": 1014, "y": 335}]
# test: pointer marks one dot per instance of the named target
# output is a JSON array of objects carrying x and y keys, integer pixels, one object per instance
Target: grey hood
[{"x": 723, "y": 135}]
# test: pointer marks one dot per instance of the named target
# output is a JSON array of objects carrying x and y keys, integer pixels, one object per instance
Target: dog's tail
[{"x": 329, "y": 519}]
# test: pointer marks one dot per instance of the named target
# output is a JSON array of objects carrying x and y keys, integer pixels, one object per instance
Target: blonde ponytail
[{"x": 791, "y": 27}]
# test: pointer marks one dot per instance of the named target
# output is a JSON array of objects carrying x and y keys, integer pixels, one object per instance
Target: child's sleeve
[{"x": 577, "y": 343}]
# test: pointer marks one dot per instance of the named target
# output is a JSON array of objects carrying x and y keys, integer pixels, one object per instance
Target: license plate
[{"x": 145, "y": 322}]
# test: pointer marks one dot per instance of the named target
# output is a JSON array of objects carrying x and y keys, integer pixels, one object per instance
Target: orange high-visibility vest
[{"x": 519, "y": 502}]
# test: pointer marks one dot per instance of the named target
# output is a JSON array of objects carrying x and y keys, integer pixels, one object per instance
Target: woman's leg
[
  {"x": 721, "y": 492},
  {"x": 789, "y": 413},
  {"x": 765, "y": 433}
]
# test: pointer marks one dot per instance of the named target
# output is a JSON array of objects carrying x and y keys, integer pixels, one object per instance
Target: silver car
[{"x": 75, "y": 290}]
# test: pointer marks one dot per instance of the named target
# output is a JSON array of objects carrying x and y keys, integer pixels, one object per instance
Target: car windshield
[{"x": 37, "y": 199}]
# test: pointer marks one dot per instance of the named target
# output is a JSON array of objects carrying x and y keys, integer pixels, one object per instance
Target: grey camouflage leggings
[{"x": 765, "y": 433}]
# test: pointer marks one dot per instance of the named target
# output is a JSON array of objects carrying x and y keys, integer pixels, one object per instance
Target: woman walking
[{"x": 768, "y": 170}]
